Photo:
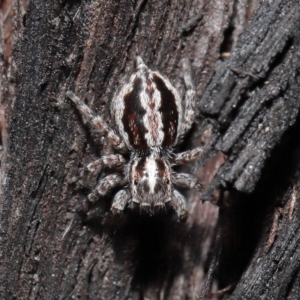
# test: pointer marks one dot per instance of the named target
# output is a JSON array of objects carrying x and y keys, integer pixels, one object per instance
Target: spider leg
[
  {"x": 97, "y": 122},
  {"x": 187, "y": 181},
  {"x": 179, "y": 204},
  {"x": 120, "y": 201},
  {"x": 187, "y": 156},
  {"x": 104, "y": 186},
  {"x": 93, "y": 169},
  {"x": 110, "y": 161},
  {"x": 189, "y": 110}
]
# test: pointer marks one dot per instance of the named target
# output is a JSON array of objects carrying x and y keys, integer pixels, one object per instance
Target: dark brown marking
[
  {"x": 133, "y": 117},
  {"x": 161, "y": 167},
  {"x": 168, "y": 110},
  {"x": 140, "y": 167}
]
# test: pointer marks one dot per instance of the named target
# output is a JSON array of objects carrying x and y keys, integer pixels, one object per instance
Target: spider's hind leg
[
  {"x": 189, "y": 109},
  {"x": 98, "y": 123}
]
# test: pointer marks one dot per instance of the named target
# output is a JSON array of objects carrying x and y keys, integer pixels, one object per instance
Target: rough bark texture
[{"x": 248, "y": 122}]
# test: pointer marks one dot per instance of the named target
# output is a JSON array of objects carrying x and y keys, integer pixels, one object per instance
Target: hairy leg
[
  {"x": 120, "y": 201},
  {"x": 187, "y": 181},
  {"x": 187, "y": 156},
  {"x": 97, "y": 122},
  {"x": 179, "y": 204},
  {"x": 93, "y": 169},
  {"x": 104, "y": 186},
  {"x": 189, "y": 110}
]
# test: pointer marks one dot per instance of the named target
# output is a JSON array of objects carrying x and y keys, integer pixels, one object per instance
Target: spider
[{"x": 150, "y": 120}]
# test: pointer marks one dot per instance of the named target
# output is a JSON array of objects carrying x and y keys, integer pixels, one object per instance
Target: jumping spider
[{"x": 150, "y": 120}]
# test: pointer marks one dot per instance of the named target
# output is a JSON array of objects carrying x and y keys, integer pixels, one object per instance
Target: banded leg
[
  {"x": 189, "y": 109},
  {"x": 104, "y": 186},
  {"x": 187, "y": 156},
  {"x": 97, "y": 122},
  {"x": 120, "y": 201},
  {"x": 179, "y": 204},
  {"x": 93, "y": 169},
  {"x": 188, "y": 181}
]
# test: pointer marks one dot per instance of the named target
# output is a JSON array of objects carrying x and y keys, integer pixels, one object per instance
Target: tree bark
[{"x": 247, "y": 82}]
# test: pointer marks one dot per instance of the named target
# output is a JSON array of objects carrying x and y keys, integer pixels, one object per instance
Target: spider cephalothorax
[
  {"x": 150, "y": 120},
  {"x": 150, "y": 181}
]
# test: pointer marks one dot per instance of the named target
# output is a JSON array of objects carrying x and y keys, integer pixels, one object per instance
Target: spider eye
[
  {"x": 167, "y": 181},
  {"x": 136, "y": 182}
]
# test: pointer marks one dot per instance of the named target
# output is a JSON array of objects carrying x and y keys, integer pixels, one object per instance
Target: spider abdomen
[{"x": 148, "y": 111}]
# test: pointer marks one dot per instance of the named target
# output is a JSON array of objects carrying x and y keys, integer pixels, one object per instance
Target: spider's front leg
[
  {"x": 187, "y": 181},
  {"x": 93, "y": 169},
  {"x": 187, "y": 156},
  {"x": 98, "y": 123},
  {"x": 104, "y": 186},
  {"x": 179, "y": 204},
  {"x": 120, "y": 201}
]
